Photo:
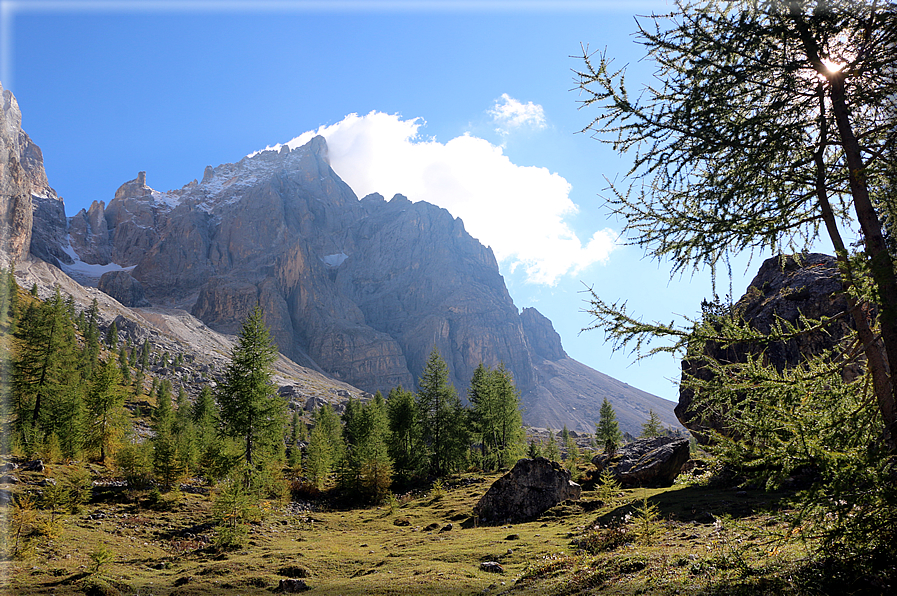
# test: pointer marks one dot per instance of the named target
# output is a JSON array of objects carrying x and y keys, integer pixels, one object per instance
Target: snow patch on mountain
[
  {"x": 87, "y": 273},
  {"x": 335, "y": 260}
]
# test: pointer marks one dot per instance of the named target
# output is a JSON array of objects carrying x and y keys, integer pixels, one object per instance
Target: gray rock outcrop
[
  {"x": 123, "y": 288},
  {"x": 784, "y": 287},
  {"x": 646, "y": 462},
  {"x": 532, "y": 487}
]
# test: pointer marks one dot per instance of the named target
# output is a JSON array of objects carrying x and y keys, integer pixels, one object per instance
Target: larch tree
[
  {"x": 771, "y": 124},
  {"x": 44, "y": 364},
  {"x": 106, "y": 415},
  {"x": 442, "y": 418},
  {"x": 770, "y": 121},
  {"x": 250, "y": 408},
  {"x": 405, "y": 433},
  {"x": 607, "y": 429},
  {"x": 652, "y": 427},
  {"x": 496, "y": 416}
]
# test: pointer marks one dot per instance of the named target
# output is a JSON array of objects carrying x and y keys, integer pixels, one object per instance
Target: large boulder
[
  {"x": 785, "y": 287},
  {"x": 646, "y": 462},
  {"x": 123, "y": 288},
  {"x": 530, "y": 488}
]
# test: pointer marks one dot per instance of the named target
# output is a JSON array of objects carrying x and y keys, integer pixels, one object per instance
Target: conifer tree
[
  {"x": 112, "y": 335},
  {"x": 168, "y": 459},
  {"x": 251, "y": 409},
  {"x": 367, "y": 470},
  {"x": 607, "y": 430},
  {"x": 144, "y": 355},
  {"x": 771, "y": 122},
  {"x": 496, "y": 416},
  {"x": 4, "y": 298},
  {"x": 12, "y": 291},
  {"x": 106, "y": 416},
  {"x": 164, "y": 413},
  {"x": 185, "y": 431},
  {"x": 209, "y": 445},
  {"x": 405, "y": 433},
  {"x": 44, "y": 363},
  {"x": 319, "y": 457},
  {"x": 551, "y": 450},
  {"x": 326, "y": 448},
  {"x": 293, "y": 452},
  {"x": 91, "y": 334},
  {"x": 442, "y": 417},
  {"x": 205, "y": 416},
  {"x": 123, "y": 364},
  {"x": 652, "y": 427},
  {"x": 70, "y": 415},
  {"x": 570, "y": 447},
  {"x": 534, "y": 450}
]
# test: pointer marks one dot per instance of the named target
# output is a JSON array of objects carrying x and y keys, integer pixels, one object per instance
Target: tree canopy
[{"x": 770, "y": 121}]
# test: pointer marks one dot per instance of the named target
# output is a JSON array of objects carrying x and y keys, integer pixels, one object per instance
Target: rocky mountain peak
[
  {"x": 21, "y": 176},
  {"x": 134, "y": 188},
  {"x": 359, "y": 289},
  {"x": 544, "y": 340}
]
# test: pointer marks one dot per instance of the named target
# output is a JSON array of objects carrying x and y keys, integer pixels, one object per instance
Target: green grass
[{"x": 361, "y": 551}]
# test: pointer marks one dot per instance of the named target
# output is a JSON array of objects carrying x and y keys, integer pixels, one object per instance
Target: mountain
[{"x": 361, "y": 290}]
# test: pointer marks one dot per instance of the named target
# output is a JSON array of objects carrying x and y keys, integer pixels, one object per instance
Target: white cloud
[
  {"x": 519, "y": 211},
  {"x": 509, "y": 113}
]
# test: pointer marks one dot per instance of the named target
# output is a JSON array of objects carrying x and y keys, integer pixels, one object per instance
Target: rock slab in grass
[
  {"x": 530, "y": 488},
  {"x": 646, "y": 462},
  {"x": 292, "y": 586},
  {"x": 492, "y": 567}
]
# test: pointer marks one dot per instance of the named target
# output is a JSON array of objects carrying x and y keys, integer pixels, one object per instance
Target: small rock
[
  {"x": 492, "y": 567},
  {"x": 446, "y": 528},
  {"x": 512, "y": 537},
  {"x": 431, "y": 527},
  {"x": 8, "y": 479},
  {"x": 33, "y": 466},
  {"x": 292, "y": 586},
  {"x": 401, "y": 521}
]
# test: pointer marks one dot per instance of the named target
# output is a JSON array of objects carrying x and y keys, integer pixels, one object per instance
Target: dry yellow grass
[{"x": 362, "y": 551}]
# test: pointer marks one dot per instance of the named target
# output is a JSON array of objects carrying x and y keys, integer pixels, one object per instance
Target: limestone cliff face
[
  {"x": 418, "y": 276},
  {"x": 21, "y": 173},
  {"x": 32, "y": 216},
  {"x": 359, "y": 289}
]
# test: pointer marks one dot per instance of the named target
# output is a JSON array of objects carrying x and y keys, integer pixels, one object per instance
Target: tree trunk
[{"x": 881, "y": 265}]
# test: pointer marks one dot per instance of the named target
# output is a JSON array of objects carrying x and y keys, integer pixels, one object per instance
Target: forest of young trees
[{"x": 77, "y": 390}]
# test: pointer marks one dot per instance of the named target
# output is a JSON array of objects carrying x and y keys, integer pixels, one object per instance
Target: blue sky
[{"x": 479, "y": 92}]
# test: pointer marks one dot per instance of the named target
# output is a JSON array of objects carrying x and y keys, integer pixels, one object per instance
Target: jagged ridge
[{"x": 359, "y": 289}]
